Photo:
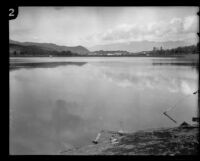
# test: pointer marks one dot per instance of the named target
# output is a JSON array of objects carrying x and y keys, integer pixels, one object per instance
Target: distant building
[{"x": 109, "y": 54}]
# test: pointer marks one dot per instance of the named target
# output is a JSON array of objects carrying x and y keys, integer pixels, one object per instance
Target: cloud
[
  {"x": 90, "y": 26},
  {"x": 190, "y": 24},
  {"x": 186, "y": 88},
  {"x": 172, "y": 30}
]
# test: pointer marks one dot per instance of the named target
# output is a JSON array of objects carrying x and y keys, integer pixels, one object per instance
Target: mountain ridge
[{"x": 53, "y": 47}]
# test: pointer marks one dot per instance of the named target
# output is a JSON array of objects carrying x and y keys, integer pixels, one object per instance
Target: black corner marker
[{"x": 12, "y": 12}]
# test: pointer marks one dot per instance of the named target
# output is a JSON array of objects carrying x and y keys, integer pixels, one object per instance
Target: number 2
[{"x": 11, "y": 12}]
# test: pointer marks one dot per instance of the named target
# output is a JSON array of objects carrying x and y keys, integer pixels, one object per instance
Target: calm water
[{"x": 57, "y": 103}]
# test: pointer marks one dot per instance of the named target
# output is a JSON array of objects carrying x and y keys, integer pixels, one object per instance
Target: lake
[{"x": 58, "y": 103}]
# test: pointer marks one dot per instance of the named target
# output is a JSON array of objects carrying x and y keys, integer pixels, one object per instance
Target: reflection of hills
[
  {"x": 14, "y": 66},
  {"x": 192, "y": 64},
  {"x": 189, "y": 60}
]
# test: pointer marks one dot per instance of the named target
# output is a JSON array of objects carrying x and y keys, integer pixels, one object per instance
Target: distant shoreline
[
  {"x": 189, "y": 60},
  {"x": 167, "y": 56}
]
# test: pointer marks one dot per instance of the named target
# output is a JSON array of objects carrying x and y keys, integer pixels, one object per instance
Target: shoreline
[
  {"x": 181, "y": 140},
  {"x": 159, "y": 56}
]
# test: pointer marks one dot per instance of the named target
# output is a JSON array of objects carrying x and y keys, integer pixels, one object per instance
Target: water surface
[{"x": 57, "y": 103}]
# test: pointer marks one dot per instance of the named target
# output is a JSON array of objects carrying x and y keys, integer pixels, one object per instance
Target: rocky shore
[{"x": 181, "y": 140}]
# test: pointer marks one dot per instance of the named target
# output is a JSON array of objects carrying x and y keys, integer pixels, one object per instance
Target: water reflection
[
  {"x": 166, "y": 79},
  {"x": 52, "y": 109},
  {"x": 17, "y": 65},
  {"x": 39, "y": 130},
  {"x": 193, "y": 64}
]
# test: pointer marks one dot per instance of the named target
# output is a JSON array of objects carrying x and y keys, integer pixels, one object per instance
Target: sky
[{"x": 90, "y": 26}]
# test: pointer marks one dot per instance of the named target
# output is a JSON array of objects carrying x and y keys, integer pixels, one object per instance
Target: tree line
[
  {"x": 36, "y": 51},
  {"x": 193, "y": 49}
]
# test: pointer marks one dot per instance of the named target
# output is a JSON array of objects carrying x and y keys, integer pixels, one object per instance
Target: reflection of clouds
[
  {"x": 150, "y": 79},
  {"x": 173, "y": 90},
  {"x": 90, "y": 98},
  {"x": 125, "y": 83},
  {"x": 149, "y": 84},
  {"x": 186, "y": 88}
]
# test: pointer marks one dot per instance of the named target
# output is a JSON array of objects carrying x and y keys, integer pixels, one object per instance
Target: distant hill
[
  {"x": 137, "y": 46},
  {"x": 48, "y": 49},
  {"x": 19, "y": 46}
]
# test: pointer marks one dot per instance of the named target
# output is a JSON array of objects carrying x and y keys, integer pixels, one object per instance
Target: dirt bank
[{"x": 165, "y": 141}]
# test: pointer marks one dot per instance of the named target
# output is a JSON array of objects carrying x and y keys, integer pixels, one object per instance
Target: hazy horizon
[{"x": 136, "y": 46}]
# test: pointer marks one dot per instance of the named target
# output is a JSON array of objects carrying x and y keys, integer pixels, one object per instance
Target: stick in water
[
  {"x": 165, "y": 113},
  {"x": 97, "y": 138}
]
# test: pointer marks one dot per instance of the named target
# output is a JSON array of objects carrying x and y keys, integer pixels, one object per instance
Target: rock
[
  {"x": 114, "y": 141},
  {"x": 185, "y": 125}
]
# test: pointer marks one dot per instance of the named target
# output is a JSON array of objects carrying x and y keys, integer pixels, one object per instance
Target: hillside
[{"x": 30, "y": 47}]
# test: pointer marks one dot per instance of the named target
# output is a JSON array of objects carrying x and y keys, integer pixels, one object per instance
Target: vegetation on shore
[
  {"x": 193, "y": 49},
  {"x": 31, "y": 51}
]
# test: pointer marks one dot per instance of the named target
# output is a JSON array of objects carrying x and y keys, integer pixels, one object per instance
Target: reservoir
[{"x": 58, "y": 103}]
